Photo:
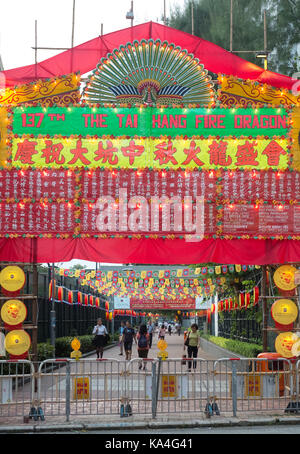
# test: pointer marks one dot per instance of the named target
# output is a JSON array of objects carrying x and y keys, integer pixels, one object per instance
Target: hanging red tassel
[
  {"x": 86, "y": 300},
  {"x": 91, "y": 300},
  {"x": 106, "y": 305},
  {"x": 242, "y": 299},
  {"x": 247, "y": 300}
]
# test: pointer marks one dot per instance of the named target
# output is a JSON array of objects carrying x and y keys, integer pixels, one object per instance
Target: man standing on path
[
  {"x": 128, "y": 336},
  {"x": 122, "y": 327},
  {"x": 150, "y": 332}
]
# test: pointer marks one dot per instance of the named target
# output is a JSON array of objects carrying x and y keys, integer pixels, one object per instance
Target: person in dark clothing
[{"x": 128, "y": 336}]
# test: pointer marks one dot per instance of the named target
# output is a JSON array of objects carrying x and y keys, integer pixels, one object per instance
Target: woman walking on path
[
  {"x": 162, "y": 332},
  {"x": 100, "y": 338},
  {"x": 192, "y": 343},
  {"x": 143, "y": 344}
]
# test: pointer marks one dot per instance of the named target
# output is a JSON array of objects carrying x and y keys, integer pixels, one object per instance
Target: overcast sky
[{"x": 54, "y": 24}]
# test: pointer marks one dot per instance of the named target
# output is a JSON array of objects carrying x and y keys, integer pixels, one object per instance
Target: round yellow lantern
[
  {"x": 284, "y": 277},
  {"x": 284, "y": 343},
  {"x": 284, "y": 311},
  {"x": 17, "y": 342},
  {"x": 13, "y": 312},
  {"x": 12, "y": 278}
]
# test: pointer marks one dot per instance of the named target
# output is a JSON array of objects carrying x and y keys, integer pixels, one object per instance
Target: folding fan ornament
[{"x": 149, "y": 72}]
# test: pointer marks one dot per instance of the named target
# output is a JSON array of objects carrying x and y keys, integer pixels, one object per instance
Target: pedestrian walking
[
  {"x": 170, "y": 329},
  {"x": 101, "y": 336},
  {"x": 192, "y": 343},
  {"x": 162, "y": 332},
  {"x": 121, "y": 343},
  {"x": 143, "y": 344},
  {"x": 150, "y": 332},
  {"x": 128, "y": 336}
]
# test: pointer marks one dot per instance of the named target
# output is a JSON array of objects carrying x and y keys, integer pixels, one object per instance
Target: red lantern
[
  {"x": 79, "y": 298},
  {"x": 91, "y": 300},
  {"x": 208, "y": 316},
  {"x": 70, "y": 297},
  {"x": 247, "y": 299},
  {"x": 242, "y": 299},
  {"x": 106, "y": 305},
  {"x": 107, "y": 315},
  {"x": 86, "y": 300},
  {"x": 255, "y": 295},
  {"x": 60, "y": 293}
]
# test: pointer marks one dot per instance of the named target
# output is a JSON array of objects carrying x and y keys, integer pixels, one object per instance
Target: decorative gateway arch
[{"x": 150, "y": 163}]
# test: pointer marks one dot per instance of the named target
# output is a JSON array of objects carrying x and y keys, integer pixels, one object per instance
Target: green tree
[{"x": 212, "y": 23}]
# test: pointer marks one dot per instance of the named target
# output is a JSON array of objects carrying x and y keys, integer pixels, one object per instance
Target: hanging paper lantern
[
  {"x": 226, "y": 305},
  {"x": 247, "y": 299},
  {"x": 79, "y": 298},
  {"x": 60, "y": 293},
  {"x": 106, "y": 305},
  {"x": 208, "y": 316},
  {"x": 51, "y": 285},
  {"x": 213, "y": 308},
  {"x": 230, "y": 304},
  {"x": 255, "y": 295},
  {"x": 70, "y": 297},
  {"x": 97, "y": 301},
  {"x": 86, "y": 300},
  {"x": 241, "y": 299},
  {"x": 110, "y": 315},
  {"x": 107, "y": 315}
]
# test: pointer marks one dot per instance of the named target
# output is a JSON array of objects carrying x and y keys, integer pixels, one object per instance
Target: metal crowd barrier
[
  {"x": 16, "y": 388},
  {"x": 65, "y": 388}
]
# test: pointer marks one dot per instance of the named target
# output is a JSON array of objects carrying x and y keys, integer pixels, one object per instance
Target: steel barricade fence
[
  {"x": 183, "y": 385},
  {"x": 255, "y": 385},
  {"x": 16, "y": 389},
  {"x": 139, "y": 385},
  {"x": 81, "y": 387}
]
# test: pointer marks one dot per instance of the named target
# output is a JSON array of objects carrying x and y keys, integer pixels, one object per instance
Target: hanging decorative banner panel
[
  {"x": 97, "y": 182},
  {"x": 151, "y": 153},
  {"x": 33, "y": 185},
  {"x": 149, "y": 122},
  {"x": 141, "y": 303}
]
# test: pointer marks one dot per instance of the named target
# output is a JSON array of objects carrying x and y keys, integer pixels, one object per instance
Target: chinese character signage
[{"x": 150, "y": 137}]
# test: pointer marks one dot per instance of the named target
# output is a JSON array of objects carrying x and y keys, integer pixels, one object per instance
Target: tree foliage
[{"x": 212, "y": 23}]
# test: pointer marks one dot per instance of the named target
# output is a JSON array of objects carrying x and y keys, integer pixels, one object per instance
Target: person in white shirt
[{"x": 100, "y": 338}]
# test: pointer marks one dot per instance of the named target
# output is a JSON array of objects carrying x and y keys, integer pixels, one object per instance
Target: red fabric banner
[
  {"x": 150, "y": 251},
  {"x": 84, "y": 58},
  {"x": 158, "y": 303}
]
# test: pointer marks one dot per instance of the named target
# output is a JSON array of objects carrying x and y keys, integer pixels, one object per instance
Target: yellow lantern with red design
[
  {"x": 284, "y": 343},
  {"x": 17, "y": 344},
  {"x": 284, "y": 312},
  {"x": 13, "y": 313},
  {"x": 284, "y": 277}
]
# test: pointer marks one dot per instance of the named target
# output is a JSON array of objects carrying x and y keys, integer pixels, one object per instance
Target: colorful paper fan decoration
[
  {"x": 13, "y": 312},
  {"x": 151, "y": 72},
  {"x": 12, "y": 278},
  {"x": 17, "y": 342}
]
